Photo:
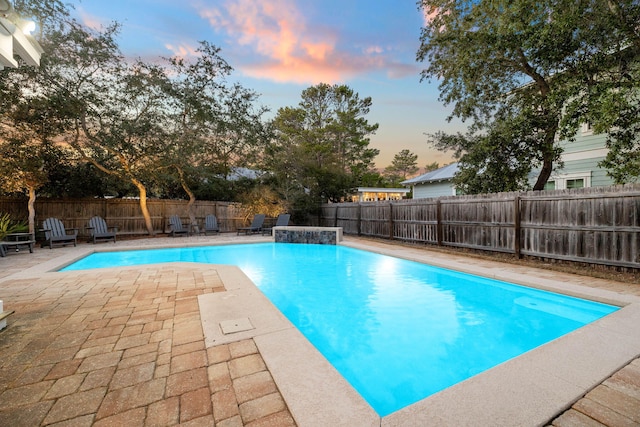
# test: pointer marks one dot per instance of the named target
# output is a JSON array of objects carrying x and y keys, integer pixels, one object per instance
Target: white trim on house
[{"x": 13, "y": 41}]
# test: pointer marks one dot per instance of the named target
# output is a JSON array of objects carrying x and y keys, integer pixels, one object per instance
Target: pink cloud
[
  {"x": 290, "y": 51},
  {"x": 182, "y": 51},
  {"x": 374, "y": 50},
  {"x": 428, "y": 13},
  {"x": 90, "y": 21}
]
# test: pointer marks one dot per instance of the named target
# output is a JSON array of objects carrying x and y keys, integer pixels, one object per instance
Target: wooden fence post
[
  {"x": 335, "y": 217},
  {"x": 439, "y": 222},
  {"x": 391, "y": 220},
  {"x": 359, "y": 219},
  {"x": 516, "y": 226}
]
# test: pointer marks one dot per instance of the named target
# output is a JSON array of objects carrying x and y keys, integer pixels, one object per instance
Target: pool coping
[{"x": 528, "y": 390}]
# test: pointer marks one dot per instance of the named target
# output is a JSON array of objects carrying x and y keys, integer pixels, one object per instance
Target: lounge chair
[
  {"x": 99, "y": 231},
  {"x": 211, "y": 224},
  {"x": 282, "y": 221},
  {"x": 256, "y": 225},
  {"x": 56, "y": 235},
  {"x": 175, "y": 224}
]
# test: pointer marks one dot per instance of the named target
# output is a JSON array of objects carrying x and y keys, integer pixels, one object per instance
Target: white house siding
[{"x": 433, "y": 189}]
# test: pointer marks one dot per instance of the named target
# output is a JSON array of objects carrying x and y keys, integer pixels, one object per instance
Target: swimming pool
[{"x": 397, "y": 330}]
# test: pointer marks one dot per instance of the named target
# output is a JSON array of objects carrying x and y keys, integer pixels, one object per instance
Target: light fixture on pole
[
  {"x": 5, "y": 7},
  {"x": 15, "y": 38}
]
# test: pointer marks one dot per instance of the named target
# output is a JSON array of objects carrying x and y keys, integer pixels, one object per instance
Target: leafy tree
[
  {"x": 513, "y": 68},
  {"x": 609, "y": 100},
  {"x": 404, "y": 163},
  {"x": 431, "y": 166},
  {"x": 119, "y": 117},
  {"x": 320, "y": 149},
  {"x": 28, "y": 122},
  {"x": 23, "y": 167},
  {"x": 212, "y": 126}
]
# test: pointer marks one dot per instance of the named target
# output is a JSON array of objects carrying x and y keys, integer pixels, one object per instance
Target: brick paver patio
[{"x": 127, "y": 348}]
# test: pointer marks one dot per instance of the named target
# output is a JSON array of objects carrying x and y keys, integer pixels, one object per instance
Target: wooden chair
[
  {"x": 211, "y": 224},
  {"x": 56, "y": 235},
  {"x": 256, "y": 225},
  {"x": 100, "y": 232},
  {"x": 177, "y": 229},
  {"x": 282, "y": 221}
]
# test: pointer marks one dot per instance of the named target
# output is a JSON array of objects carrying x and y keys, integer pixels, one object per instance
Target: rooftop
[{"x": 445, "y": 173}]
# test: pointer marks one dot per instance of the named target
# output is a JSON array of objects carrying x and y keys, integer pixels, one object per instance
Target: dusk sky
[{"x": 281, "y": 47}]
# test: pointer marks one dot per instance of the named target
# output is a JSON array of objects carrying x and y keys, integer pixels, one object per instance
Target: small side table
[{"x": 17, "y": 241}]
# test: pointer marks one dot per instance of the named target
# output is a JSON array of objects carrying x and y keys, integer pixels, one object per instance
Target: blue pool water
[{"x": 397, "y": 330}]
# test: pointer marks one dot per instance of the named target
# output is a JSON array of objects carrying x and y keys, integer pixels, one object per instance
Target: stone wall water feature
[{"x": 320, "y": 235}]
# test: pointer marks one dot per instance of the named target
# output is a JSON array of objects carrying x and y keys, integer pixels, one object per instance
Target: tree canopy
[
  {"x": 404, "y": 164},
  {"x": 525, "y": 73},
  {"x": 150, "y": 124},
  {"x": 321, "y": 148}
]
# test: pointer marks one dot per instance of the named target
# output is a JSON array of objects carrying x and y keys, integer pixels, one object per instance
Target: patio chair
[
  {"x": 211, "y": 224},
  {"x": 282, "y": 221},
  {"x": 56, "y": 235},
  {"x": 175, "y": 224},
  {"x": 256, "y": 225},
  {"x": 99, "y": 231}
]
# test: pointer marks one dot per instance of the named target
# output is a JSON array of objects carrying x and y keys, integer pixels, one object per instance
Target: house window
[
  {"x": 586, "y": 129},
  {"x": 569, "y": 181},
  {"x": 575, "y": 183}
]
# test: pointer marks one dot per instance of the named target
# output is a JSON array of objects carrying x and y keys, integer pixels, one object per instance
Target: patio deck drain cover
[{"x": 237, "y": 325}]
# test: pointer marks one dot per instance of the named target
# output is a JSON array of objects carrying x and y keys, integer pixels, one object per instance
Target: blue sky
[{"x": 281, "y": 47}]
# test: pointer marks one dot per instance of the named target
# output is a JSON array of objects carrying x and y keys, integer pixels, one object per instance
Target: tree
[
  {"x": 28, "y": 122},
  {"x": 610, "y": 96},
  {"x": 513, "y": 68},
  {"x": 404, "y": 164},
  {"x": 212, "y": 126},
  {"x": 23, "y": 167},
  {"x": 321, "y": 148},
  {"x": 431, "y": 166}
]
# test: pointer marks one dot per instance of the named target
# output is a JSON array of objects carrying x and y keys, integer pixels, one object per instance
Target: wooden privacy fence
[
  {"x": 598, "y": 225},
  {"x": 124, "y": 213}
]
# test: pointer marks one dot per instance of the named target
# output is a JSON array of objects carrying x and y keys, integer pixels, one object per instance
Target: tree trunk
[
  {"x": 143, "y": 206},
  {"x": 32, "y": 210},
  {"x": 192, "y": 198},
  {"x": 549, "y": 156},
  {"x": 545, "y": 173}
]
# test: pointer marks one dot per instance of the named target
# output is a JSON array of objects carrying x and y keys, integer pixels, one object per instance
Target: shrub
[{"x": 8, "y": 226}]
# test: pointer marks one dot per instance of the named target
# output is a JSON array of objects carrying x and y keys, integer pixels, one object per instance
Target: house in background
[
  {"x": 581, "y": 158},
  {"x": 373, "y": 194},
  {"x": 580, "y": 170},
  {"x": 436, "y": 183}
]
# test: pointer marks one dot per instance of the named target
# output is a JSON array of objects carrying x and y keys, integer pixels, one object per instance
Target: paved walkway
[
  {"x": 125, "y": 347},
  {"x": 615, "y": 402}
]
